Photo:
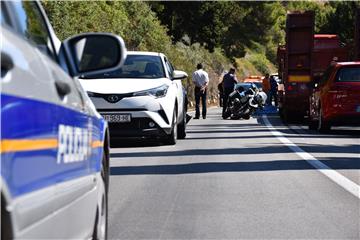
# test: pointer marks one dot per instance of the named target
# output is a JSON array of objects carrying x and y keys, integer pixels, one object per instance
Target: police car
[{"x": 54, "y": 144}]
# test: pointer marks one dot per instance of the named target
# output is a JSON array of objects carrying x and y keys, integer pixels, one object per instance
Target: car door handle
[
  {"x": 6, "y": 64},
  {"x": 62, "y": 88}
]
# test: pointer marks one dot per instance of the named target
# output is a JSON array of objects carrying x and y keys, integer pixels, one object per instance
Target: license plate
[{"x": 117, "y": 117}]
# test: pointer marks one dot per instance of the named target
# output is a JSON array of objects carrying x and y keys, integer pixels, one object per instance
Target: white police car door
[{"x": 46, "y": 137}]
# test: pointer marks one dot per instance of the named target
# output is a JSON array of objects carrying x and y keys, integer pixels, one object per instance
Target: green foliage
[
  {"x": 260, "y": 62},
  {"x": 141, "y": 30},
  {"x": 247, "y": 33}
]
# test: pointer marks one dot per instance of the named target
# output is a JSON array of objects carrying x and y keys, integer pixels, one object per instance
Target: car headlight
[{"x": 157, "y": 92}]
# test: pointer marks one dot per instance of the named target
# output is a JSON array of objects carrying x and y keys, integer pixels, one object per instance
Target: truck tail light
[{"x": 290, "y": 88}]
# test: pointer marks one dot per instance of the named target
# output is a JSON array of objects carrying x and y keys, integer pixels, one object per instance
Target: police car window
[
  {"x": 33, "y": 27},
  {"x": 4, "y": 18}
]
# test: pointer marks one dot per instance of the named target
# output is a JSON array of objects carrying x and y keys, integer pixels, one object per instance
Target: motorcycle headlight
[{"x": 155, "y": 92}]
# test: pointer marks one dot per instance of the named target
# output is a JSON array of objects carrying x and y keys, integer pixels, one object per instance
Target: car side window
[
  {"x": 32, "y": 26},
  {"x": 169, "y": 67}
]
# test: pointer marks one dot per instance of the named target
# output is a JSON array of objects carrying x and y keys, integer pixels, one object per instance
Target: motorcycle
[{"x": 244, "y": 101}]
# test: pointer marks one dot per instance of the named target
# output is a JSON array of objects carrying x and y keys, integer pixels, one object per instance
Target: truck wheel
[
  {"x": 312, "y": 124},
  {"x": 287, "y": 117},
  {"x": 323, "y": 126}
]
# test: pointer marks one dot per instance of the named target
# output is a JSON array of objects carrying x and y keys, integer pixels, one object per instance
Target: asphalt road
[{"x": 238, "y": 179}]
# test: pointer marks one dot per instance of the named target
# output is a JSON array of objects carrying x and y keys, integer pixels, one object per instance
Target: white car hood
[{"x": 121, "y": 85}]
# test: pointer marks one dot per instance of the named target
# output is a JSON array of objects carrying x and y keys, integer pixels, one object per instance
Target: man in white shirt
[{"x": 200, "y": 79}]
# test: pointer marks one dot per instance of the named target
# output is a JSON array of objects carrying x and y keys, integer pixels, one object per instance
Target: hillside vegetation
[{"x": 218, "y": 34}]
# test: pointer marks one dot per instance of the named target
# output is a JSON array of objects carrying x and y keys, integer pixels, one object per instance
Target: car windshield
[
  {"x": 135, "y": 66},
  {"x": 349, "y": 74}
]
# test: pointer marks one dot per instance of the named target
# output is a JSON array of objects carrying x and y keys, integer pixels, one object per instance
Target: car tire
[
  {"x": 101, "y": 220},
  {"x": 172, "y": 137},
  {"x": 182, "y": 127},
  {"x": 323, "y": 126},
  {"x": 6, "y": 228}
]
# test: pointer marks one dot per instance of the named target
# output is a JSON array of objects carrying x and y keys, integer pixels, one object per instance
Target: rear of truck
[{"x": 297, "y": 65}]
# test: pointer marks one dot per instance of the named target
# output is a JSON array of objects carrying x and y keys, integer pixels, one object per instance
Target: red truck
[
  {"x": 303, "y": 60},
  {"x": 357, "y": 35},
  {"x": 295, "y": 65}
]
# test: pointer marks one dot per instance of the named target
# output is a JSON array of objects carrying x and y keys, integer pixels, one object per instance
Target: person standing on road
[
  {"x": 273, "y": 91},
  {"x": 229, "y": 82},
  {"x": 266, "y": 85},
  {"x": 200, "y": 79}
]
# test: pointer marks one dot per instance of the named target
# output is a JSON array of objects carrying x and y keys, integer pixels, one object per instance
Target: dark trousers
[
  {"x": 200, "y": 95},
  {"x": 271, "y": 95},
  {"x": 227, "y": 92}
]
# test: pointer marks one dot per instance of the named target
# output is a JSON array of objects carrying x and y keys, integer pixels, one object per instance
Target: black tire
[
  {"x": 6, "y": 229},
  {"x": 312, "y": 124},
  {"x": 281, "y": 113},
  {"x": 246, "y": 117},
  {"x": 172, "y": 137},
  {"x": 101, "y": 220},
  {"x": 226, "y": 114},
  {"x": 286, "y": 117},
  {"x": 323, "y": 126},
  {"x": 182, "y": 127}
]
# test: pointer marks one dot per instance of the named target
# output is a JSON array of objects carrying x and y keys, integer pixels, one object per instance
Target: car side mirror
[
  {"x": 94, "y": 53},
  {"x": 179, "y": 75}
]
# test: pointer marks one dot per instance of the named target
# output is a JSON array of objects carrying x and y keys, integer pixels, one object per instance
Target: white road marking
[{"x": 336, "y": 177}]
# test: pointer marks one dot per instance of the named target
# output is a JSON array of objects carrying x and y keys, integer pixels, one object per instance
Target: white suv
[{"x": 144, "y": 98}]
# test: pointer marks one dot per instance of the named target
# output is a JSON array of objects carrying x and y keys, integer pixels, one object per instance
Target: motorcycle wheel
[
  {"x": 226, "y": 115},
  {"x": 246, "y": 117}
]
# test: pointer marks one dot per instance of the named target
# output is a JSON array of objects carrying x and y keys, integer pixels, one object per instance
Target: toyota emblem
[{"x": 113, "y": 98}]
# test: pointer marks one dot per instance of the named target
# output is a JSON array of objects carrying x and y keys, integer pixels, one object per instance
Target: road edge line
[{"x": 333, "y": 175}]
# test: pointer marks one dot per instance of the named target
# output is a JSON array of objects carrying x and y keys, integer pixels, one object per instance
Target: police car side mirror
[
  {"x": 177, "y": 75},
  {"x": 94, "y": 53}
]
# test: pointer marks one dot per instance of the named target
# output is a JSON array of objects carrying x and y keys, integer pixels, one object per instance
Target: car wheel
[
  {"x": 101, "y": 220},
  {"x": 182, "y": 127},
  {"x": 172, "y": 137},
  {"x": 6, "y": 228},
  {"x": 323, "y": 126}
]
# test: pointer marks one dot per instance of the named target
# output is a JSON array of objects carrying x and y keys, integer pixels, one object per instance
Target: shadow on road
[
  {"x": 209, "y": 167},
  {"x": 240, "y": 151},
  {"x": 140, "y": 143}
]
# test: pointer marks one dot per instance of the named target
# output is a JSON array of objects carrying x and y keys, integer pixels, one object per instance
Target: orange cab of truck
[{"x": 335, "y": 100}]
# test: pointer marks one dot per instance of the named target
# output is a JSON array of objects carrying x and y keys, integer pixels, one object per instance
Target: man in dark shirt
[
  {"x": 228, "y": 83},
  {"x": 273, "y": 91}
]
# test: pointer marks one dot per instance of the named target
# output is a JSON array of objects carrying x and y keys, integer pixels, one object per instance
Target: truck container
[
  {"x": 357, "y": 35},
  {"x": 301, "y": 63},
  {"x": 327, "y": 48},
  {"x": 297, "y": 69}
]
